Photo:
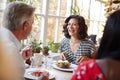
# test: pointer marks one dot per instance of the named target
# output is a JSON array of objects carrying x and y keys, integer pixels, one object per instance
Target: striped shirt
[{"x": 85, "y": 48}]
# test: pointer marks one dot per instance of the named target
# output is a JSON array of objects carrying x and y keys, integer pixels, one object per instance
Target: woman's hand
[
  {"x": 63, "y": 55},
  {"x": 82, "y": 58}
]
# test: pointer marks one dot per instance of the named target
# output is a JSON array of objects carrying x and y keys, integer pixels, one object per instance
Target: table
[
  {"x": 59, "y": 75},
  {"x": 62, "y": 75}
]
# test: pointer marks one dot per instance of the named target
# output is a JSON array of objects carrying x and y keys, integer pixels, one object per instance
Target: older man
[{"x": 18, "y": 18}]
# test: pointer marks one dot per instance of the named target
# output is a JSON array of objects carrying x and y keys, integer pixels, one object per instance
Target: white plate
[
  {"x": 71, "y": 68},
  {"x": 30, "y": 76}
]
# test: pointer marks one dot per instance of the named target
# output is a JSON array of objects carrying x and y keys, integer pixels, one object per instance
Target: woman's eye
[{"x": 72, "y": 24}]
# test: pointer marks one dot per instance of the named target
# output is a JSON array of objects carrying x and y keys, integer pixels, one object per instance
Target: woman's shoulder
[
  {"x": 87, "y": 42},
  {"x": 64, "y": 40},
  {"x": 108, "y": 63},
  {"x": 107, "y": 66}
]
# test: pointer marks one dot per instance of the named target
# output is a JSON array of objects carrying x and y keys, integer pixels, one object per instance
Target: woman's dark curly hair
[{"x": 82, "y": 32}]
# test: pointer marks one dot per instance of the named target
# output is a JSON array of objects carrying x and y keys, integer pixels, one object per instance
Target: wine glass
[{"x": 47, "y": 59}]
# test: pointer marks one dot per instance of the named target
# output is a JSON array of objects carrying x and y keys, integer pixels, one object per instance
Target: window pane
[
  {"x": 52, "y": 9},
  {"x": 50, "y": 29},
  {"x": 35, "y": 33},
  {"x": 95, "y": 12},
  {"x": 61, "y": 35},
  {"x": 63, "y": 7},
  {"x": 84, "y": 7},
  {"x": 38, "y": 5}
]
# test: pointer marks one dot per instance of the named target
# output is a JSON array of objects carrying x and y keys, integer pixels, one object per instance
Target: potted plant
[
  {"x": 45, "y": 50},
  {"x": 54, "y": 47},
  {"x": 36, "y": 46}
]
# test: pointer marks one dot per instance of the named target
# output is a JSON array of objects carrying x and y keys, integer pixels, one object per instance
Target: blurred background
[{"x": 50, "y": 16}]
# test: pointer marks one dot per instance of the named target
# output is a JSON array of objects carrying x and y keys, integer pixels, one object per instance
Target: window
[
  {"x": 50, "y": 16},
  {"x": 50, "y": 19}
]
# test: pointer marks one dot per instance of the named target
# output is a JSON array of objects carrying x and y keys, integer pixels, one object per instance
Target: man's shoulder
[
  {"x": 4, "y": 33},
  {"x": 3, "y": 29}
]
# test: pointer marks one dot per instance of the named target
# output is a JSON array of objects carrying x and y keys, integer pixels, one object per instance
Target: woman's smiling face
[{"x": 73, "y": 27}]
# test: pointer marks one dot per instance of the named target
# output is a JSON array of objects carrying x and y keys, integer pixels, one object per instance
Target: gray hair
[{"x": 15, "y": 14}]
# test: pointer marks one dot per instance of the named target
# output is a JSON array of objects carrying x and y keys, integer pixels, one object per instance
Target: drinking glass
[
  {"x": 36, "y": 60},
  {"x": 48, "y": 60}
]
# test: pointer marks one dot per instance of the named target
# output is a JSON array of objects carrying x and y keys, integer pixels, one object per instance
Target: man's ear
[{"x": 25, "y": 25}]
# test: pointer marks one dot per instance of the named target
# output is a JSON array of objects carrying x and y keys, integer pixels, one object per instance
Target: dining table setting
[{"x": 52, "y": 63}]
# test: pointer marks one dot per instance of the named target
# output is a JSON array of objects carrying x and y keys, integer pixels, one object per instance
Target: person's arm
[
  {"x": 85, "y": 58},
  {"x": 82, "y": 58},
  {"x": 63, "y": 55},
  {"x": 26, "y": 52},
  {"x": 93, "y": 55}
]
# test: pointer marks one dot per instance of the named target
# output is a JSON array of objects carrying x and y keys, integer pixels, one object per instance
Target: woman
[
  {"x": 107, "y": 67},
  {"x": 76, "y": 47}
]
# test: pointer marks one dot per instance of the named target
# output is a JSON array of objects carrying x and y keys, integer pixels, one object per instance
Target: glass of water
[{"x": 48, "y": 62}]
